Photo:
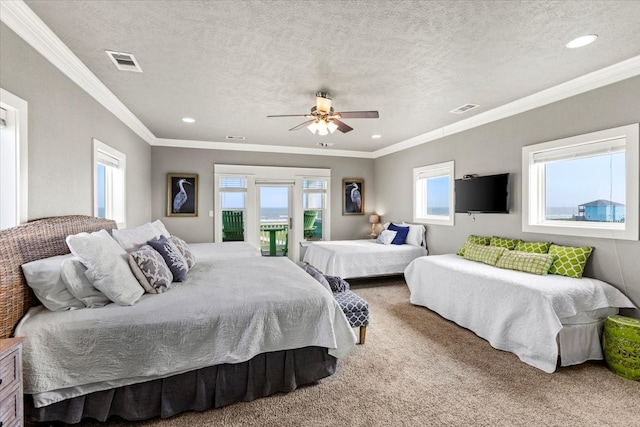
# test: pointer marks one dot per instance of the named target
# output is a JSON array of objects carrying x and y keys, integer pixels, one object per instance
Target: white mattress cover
[
  {"x": 225, "y": 312},
  {"x": 515, "y": 311},
  {"x": 360, "y": 258}
]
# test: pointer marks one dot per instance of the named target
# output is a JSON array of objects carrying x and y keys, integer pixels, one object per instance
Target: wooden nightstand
[{"x": 11, "y": 411}]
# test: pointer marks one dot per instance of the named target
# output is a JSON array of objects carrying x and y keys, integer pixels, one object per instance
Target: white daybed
[
  {"x": 231, "y": 331},
  {"x": 536, "y": 317},
  {"x": 366, "y": 257}
]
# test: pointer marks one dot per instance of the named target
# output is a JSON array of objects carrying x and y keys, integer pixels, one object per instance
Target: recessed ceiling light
[
  {"x": 188, "y": 120},
  {"x": 376, "y": 136},
  {"x": 581, "y": 41}
]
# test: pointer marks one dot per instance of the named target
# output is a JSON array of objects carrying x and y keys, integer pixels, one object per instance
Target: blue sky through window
[
  {"x": 571, "y": 183},
  {"x": 438, "y": 195}
]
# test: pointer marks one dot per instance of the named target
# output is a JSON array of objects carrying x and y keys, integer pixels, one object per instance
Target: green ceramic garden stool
[{"x": 622, "y": 346}]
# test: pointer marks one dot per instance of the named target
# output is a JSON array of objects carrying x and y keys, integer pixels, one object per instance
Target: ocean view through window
[{"x": 433, "y": 194}]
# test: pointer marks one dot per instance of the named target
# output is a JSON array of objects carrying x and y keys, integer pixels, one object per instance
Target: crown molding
[
  {"x": 26, "y": 24},
  {"x": 281, "y": 149},
  {"x": 594, "y": 80}
]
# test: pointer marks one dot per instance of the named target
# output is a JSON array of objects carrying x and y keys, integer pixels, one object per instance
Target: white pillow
[
  {"x": 43, "y": 276},
  {"x": 131, "y": 239},
  {"x": 386, "y": 237},
  {"x": 160, "y": 226},
  {"x": 416, "y": 234},
  {"x": 107, "y": 269},
  {"x": 73, "y": 276}
]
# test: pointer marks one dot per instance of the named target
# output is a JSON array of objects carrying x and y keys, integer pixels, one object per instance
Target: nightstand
[{"x": 11, "y": 411}]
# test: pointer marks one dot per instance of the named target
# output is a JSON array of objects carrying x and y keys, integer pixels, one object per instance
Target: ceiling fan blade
[
  {"x": 301, "y": 125},
  {"x": 289, "y": 115},
  {"x": 342, "y": 127},
  {"x": 358, "y": 114}
]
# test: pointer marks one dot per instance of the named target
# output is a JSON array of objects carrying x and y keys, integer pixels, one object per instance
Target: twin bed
[
  {"x": 238, "y": 328},
  {"x": 366, "y": 257},
  {"x": 537, "y": 317}
]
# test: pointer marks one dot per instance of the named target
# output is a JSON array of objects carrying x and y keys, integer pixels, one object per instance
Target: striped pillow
[{"x": 526, "y": 261}]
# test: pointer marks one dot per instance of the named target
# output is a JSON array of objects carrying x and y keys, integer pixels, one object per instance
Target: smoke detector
[
  {"x": 325, "y": 144},
  {"x": 124, "y": 61}
]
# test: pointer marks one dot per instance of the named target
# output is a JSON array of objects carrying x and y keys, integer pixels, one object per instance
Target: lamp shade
[{"x": 374, "y": 219}]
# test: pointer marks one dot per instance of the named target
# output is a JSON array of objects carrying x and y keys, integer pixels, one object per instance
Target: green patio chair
[
  {"x": 232, "y": 226},
  {"x": 309, "y": 223}
]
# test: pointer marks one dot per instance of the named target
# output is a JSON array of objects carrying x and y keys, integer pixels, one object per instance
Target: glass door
[{"x": 275, "y": 202}]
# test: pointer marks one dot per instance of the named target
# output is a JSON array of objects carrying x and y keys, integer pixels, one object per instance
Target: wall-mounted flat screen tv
[{"x": 483, "y": 194}]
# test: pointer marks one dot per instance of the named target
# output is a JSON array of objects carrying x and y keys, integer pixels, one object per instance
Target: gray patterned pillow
[
  {"x": 152, "y": 271},
  {"x": 172, "y": 256},
  {"x": 184, "y": 250}
]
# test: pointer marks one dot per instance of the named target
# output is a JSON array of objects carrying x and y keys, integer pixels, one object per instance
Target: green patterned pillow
[
  {"x": 480, "y": 240},
  {"x": 533, "y": 247},
  {"x": 526, "y": 261},
  {"x": 483, "y": 253},
  {"x": 503, "y": 242},
  {"x": 569, "y": 261}
]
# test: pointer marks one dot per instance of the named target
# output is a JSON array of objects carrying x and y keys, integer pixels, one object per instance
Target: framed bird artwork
[
  {"x": 182, "y": 194},
  {"x": 353, "y": 196}
]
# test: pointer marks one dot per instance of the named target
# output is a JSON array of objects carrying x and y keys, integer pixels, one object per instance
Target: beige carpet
[{"x": 417, "y": 369}]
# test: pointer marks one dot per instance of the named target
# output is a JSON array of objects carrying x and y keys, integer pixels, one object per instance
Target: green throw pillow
[
  {"x": 569, "y": 261},
  {"x": 533, "y": 247},
  {"x": 526, "y": 261},
  {"x": 483, "y": 253},
  {"x": 480, "y": 240},
  {"x": 503, "y": 242}
]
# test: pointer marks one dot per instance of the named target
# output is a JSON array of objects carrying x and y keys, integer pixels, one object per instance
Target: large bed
[
  {"x": 238, "y": 328},
  {"x": 366, "y": 257},
  {"x": 537, "y": 317}
]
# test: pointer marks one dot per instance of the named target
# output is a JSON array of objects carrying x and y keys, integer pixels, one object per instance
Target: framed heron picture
[
  {"x": 353, "y": 196},
  {"x": 182, "y": 194}
]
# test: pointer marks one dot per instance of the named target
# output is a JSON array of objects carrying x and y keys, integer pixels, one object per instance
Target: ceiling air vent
[
  {"x": 124, "y": 61},
  {"x": 236, "y": 138},
  {"x": 464, "y": 108}
]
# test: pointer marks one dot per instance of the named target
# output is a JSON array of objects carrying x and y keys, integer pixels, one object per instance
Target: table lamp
[{"x": 373, "y": 220}]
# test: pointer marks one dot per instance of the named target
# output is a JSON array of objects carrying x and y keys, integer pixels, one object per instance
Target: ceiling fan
[{"x": 324, "y": 120}]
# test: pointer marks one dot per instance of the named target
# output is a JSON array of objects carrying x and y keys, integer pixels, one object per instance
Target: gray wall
[
  {"x": 497, "y": 148},
  {"x": 190, "y": 160},
  {"x": 62, "y": 121}
]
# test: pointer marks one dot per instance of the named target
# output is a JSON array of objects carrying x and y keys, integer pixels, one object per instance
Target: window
[
  {"x": 13, "y": 160},
  {"x": 109, "y": 172},
  {"x": 314, "y": 196},
  {"x": 433, "y": 194},
  {"x": 585, "y": 185}
]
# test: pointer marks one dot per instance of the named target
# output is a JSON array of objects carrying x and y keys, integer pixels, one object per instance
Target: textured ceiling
[{"x": 229, "y": 64}]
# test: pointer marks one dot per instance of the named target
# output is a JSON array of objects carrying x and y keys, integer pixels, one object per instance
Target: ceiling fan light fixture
[
  {"x": 332, "y": 127},
  {"x": 323, "y": 103},
  {"x": 313, "y": 127}
]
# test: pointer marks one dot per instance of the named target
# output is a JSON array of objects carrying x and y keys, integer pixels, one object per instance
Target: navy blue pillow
[
  {"x": 172, "y": 256},
  {"x": 401, "y": 234}
]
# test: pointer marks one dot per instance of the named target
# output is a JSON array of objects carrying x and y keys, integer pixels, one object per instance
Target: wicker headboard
[{"x": 38, "y": 239}]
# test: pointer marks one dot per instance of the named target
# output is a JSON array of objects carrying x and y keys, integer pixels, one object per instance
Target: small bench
[{"x": 353, "y": 306}]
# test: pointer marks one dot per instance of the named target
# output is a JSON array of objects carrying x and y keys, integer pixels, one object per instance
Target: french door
[{"x": 275, "y": 202}]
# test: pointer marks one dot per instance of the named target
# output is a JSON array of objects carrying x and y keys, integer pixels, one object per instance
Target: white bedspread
[
  {"x": 225, "y": 312},
  {"x": 360, "y": 258},
  {"x": 223, "y": 250},
  {"x": 514, "y": 311}
]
